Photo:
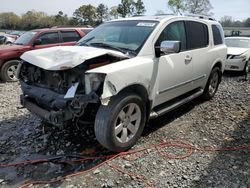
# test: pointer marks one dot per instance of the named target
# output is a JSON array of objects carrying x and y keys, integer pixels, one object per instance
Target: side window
[
  {"x": 217, "y": 34},
  {"x": 197, "y": 35},
  {"x": 49, "y": 38},
  {"x": 70, "y": 36},
  {"x": 174, "y": 32}
]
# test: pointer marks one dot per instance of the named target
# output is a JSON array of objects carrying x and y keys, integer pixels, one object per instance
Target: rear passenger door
[
  {"x": 70, "y": 37},
  {"x": 198, "y": 44}
]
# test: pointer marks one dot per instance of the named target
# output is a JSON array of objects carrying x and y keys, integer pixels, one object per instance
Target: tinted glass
[
  {"x": 174, "y": 32},
  {"x": 70, "y": 36},
  {"x": 25, "y": 38},
  {"x": 217, "y": 35},
  {"x": 197, "y": 35},
  {"x": 49, "y": 38}
]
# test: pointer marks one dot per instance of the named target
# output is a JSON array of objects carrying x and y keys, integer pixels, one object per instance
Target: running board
[{"x": 175, "y": 103}]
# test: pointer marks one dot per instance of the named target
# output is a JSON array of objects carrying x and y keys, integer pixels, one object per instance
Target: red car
[{"x": 32, "y": 40}]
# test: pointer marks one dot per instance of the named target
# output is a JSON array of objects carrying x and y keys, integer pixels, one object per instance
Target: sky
[{"x": 238, "y": 9}]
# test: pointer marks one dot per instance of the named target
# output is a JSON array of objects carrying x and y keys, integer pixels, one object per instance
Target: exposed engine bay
[{"x": 59, "y": 96}]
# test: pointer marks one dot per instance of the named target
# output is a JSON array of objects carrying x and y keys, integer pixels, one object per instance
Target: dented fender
[{"x": 120, "y": 75}]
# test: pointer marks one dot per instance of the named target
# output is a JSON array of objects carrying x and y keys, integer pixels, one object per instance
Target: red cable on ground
[{"x": 190, "y": 149}]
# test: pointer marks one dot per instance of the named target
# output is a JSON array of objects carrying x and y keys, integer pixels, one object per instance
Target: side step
[{"x": 175, "y": 103}]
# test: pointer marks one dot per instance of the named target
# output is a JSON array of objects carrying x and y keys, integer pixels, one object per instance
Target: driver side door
[{"x": 174, "y": 70}]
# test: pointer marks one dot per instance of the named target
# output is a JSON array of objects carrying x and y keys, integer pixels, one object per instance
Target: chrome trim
[
  {"x": 182, "y": 84},
  {"x": 155, "y": 114}
]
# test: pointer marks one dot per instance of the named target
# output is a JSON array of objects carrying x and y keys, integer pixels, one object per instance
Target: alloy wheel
[{"x": 127, "y": 122}]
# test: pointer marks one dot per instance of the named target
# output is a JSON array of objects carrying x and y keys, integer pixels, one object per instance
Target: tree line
[
  {"x": 203, "y": 7},
  {"x": 84, "y": 15},
  {"x": 93, "y": 16},
  {"x": 228, "y": 21}
]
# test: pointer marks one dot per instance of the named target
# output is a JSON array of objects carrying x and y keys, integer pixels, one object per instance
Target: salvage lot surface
[{"x": 220, "y": 123}]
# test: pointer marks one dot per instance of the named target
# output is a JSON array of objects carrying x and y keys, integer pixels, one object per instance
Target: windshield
[
  {"x": 239, "y": 43},
  {"x": 25, "y": 38},
  {"x": 128, "y": 36}
]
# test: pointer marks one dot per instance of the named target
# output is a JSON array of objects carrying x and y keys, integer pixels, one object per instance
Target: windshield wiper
[
  {"x": 105, "y": 45},
  {"x": 83, "y": 43}
]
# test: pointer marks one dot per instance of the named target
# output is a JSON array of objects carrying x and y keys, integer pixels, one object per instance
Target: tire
[
  {"x": 246, "y": 69},
  {"x": 8, "y": 71},
  {"x": 114, "y": 128},
  {"x": 212, "y": 84}
]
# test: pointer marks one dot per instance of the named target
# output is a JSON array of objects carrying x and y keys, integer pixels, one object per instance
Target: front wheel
[
  {"x": 119, "y": 124},
  {"x": 8, "y": 71},
  {"x": 212, "y": 84}
]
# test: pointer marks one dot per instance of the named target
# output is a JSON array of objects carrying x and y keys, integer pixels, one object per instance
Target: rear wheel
[
  {"x": 8, "y": 71},
  {"x": 212, "y": 84},
  {"x": 119, "y": 124}
]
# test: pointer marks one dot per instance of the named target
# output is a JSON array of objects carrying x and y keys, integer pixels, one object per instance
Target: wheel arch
[
  {"x": 220, "y": 66},
  {"x": 141, "y": 91}
]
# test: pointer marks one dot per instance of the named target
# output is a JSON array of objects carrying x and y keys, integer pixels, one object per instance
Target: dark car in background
[{"x": 32, "y": 40}]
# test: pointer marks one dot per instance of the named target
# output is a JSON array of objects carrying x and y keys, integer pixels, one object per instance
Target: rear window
[
  {"x": 70, "y": 36},
  {"x": 217, "y": 34},
  {"x": 197, "y": 35}
]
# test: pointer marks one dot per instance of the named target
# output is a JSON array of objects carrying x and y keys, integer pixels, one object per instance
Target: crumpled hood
[
  {"x": 65, "y": 57},
  {"x": 236, "y": 51}
]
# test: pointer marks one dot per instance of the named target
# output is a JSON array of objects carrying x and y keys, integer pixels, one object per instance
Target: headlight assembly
[{"x": 93, "y": 81}]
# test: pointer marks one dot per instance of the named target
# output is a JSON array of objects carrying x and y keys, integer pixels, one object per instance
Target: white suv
[{"x": 123, "y": 73}]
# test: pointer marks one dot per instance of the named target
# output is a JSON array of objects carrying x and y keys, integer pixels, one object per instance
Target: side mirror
[
  {"x": 37, "y": 42},
  {"x": 169, "y": 47}
]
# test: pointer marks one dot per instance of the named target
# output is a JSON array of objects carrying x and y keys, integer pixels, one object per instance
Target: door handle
[{"x": 188, "y": 59}]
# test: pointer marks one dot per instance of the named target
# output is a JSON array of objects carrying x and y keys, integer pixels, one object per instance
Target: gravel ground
[{"x": 222, "y": 122}]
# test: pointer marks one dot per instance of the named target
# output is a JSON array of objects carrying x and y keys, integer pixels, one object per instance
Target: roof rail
[
  {"x": 137, "y": 15},
  {"x": 201, "y": 16},
  {"x": 71, "y": 26},
  {"x": 164, "y": 14}
]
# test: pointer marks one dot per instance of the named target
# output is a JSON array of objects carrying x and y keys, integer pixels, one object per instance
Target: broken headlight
[{"x": 93, "y": 81}]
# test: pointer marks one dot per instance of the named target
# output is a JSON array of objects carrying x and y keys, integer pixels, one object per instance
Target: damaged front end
[{"x": 58, "y": 96}]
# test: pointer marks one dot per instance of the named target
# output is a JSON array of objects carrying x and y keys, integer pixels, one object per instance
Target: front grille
[{"x": 54, "y": 80}]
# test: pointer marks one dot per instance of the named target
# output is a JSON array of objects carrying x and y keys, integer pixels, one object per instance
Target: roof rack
[
  {"x": 138, "y": 15},
  {"x": 201, "y": 16},
  {"x": 71, "y": 26},
  {"x": 164, "y": 14}
]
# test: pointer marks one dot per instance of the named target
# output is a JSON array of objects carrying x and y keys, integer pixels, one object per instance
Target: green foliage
[
  {"x": 61, "y": 19},
  {"x": 86, "y": 15},
  {"x": 139, "y": 7},
  {"x": 177, "y": 6},
  {"x": 9, "y": 20},
  {"x": 33, "y": 20},
  {"x": 126, "y": 8},
  {"x": 191, "y": 6},
  {"x": 199, "y": 7},
  {"x": 101, "y": 13},
  {"x": 247, "y": 22},
  {"x": 113, "y": 13},
  {"x": 227, "y": 21},
  {"x": 130, "y": 7}
]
